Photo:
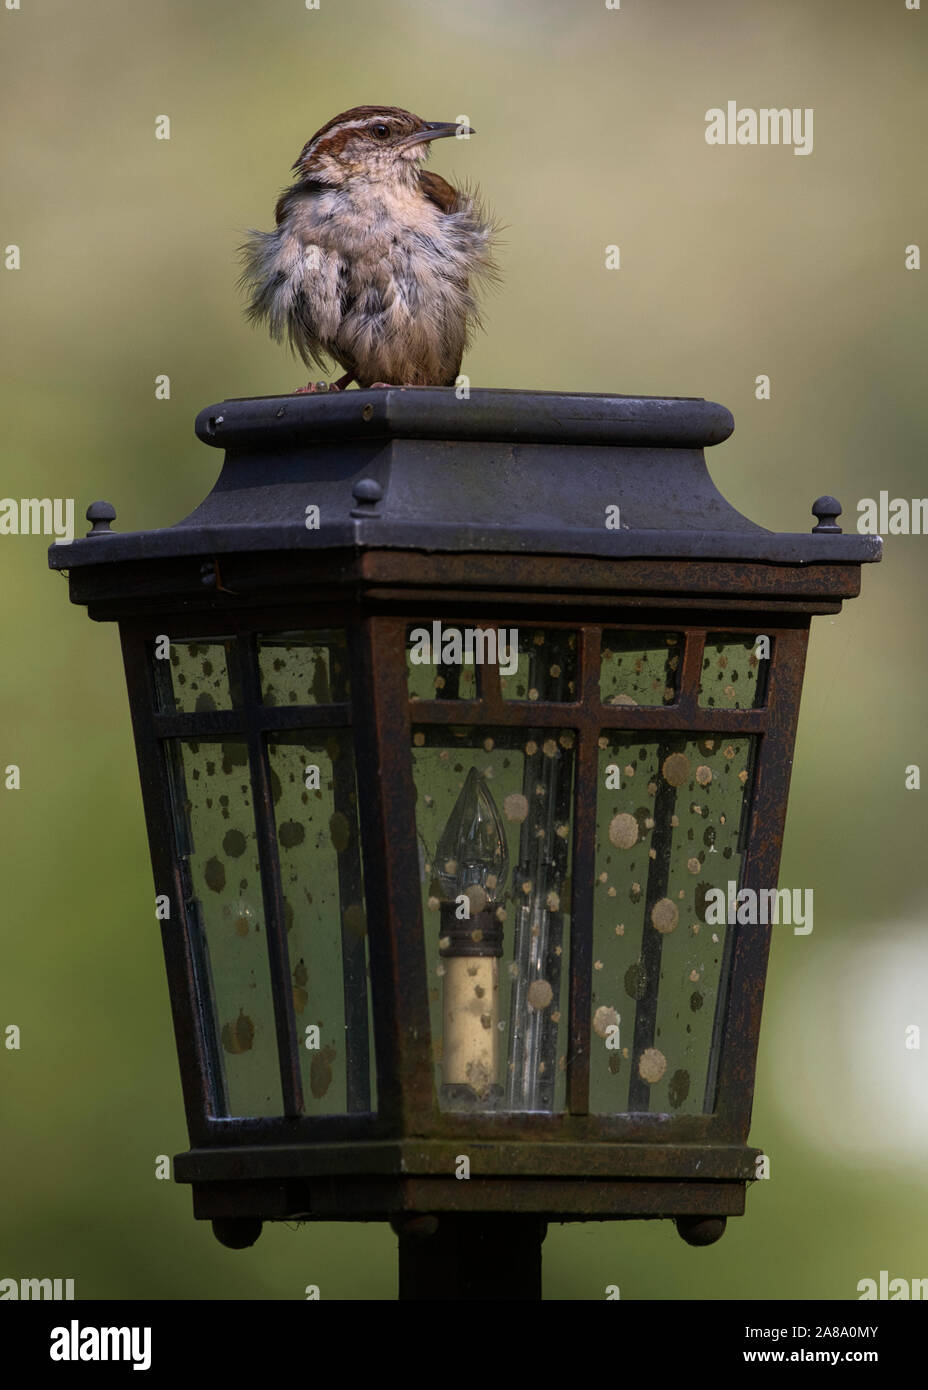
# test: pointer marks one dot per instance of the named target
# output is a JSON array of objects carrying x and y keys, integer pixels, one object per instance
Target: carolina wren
[{"x": 374, "y": 259}]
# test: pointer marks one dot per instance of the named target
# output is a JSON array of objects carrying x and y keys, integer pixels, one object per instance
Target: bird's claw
[{"x": 314, "y": 388}]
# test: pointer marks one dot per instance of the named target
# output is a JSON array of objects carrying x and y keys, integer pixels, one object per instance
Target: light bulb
[
  {"x": 472, "y": 860},
  {"x": 472, "y": 851}
]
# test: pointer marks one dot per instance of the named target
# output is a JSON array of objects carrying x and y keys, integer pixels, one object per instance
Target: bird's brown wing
[{"x": 438, "y": 191}]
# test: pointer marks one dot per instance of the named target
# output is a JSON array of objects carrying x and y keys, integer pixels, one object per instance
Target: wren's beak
[{"x": 437, "y": 130}]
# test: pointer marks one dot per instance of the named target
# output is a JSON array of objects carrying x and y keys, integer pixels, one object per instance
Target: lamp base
[{"x": 469, "y": 1256}]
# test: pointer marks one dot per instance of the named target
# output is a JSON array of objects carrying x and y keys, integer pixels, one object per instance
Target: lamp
[{"x": 416, "y": 911}]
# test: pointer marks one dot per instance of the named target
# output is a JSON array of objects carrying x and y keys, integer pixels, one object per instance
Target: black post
[{"x": 463, "y": 1255}]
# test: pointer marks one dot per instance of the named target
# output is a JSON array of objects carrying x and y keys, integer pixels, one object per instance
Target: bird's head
[{"x": 378, "y": 143}]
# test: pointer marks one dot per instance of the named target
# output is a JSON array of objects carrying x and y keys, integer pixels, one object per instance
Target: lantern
[{"x": 465, "y": 731}]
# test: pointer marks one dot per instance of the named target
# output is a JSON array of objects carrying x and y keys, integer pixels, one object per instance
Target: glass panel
[
  {"x": 668, "y": 831},
  {"x": 216, "y": 836},
  {"x": 197, "y": 677},
  {"x": 316, "y": 814},
  {"x": 303, "y": 668},
  {"x": 493, "y": 814},
  {"x": 441, "y": 664},
  {"x": 640, "y": 668},
  {"x": 732, "y": 676},
  {"x": 543, "y": 667}
]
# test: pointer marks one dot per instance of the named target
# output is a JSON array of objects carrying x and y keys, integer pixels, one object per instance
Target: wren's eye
[{"x": 380, "y": 132}]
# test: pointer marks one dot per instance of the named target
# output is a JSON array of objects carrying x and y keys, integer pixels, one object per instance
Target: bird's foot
[
  {"x": 392, "y": 385},
  {"x": 313, "y": 388}
]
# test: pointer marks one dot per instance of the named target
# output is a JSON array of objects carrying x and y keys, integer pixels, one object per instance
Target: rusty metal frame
[{"x": 654, "y": 1154}]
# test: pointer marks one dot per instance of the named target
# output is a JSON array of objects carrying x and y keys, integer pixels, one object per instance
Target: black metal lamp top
[{"x": 502, "y": 471}]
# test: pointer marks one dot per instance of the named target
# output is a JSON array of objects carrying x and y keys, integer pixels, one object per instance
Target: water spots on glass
[
  {"x": 216, "y": 835},
  {"x": 539, "y": 994},
  {"x": 321, "y": 1073},
  {"x": 663, "y": 840},
  {"x": 665, "y": 916},
  {"x": 434, "y": 680},
  {"x": 234, "y": 844},
  {"x": 321, "y": 877},
  {"x": 478, "y": 899},
  {"x": 732, "y": 676},
  {"x": 300, "y": 976},
  {"x": 234, "y": 755},
  {"x": 635, "y": 981},
  {"x": 214, "y": 874},
  {"x": 639, "y": 668},
  {"x": 198, "y": 677},
  {"x": 238, "y": 1036},
  {"x": 623, "y": 830},
  {"x": 291, "y": 834},
  {"x": 651, "y": 1065},
  {"x": 339, "y": 831},
  {"x": 679, "y": 1088},
  {"x": 304, "y": 668},
  {"x": 605, "y": 1018},
  {"x": 547, "y": 667},
  {"x": 355, "y": 920},
  {"x": 675, "y": 769}
]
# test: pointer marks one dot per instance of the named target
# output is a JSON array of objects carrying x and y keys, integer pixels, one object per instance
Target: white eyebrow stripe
[{"x": 351, "y": 125}]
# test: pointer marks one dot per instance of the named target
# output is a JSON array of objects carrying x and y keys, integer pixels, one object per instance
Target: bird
[{"x": 375, "y": 262}]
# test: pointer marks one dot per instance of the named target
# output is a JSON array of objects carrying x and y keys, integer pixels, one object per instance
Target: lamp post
[{"x": 454, "y": 721}]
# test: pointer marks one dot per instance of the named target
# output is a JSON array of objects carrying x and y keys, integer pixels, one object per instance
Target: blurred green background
[{"x": 735, "y": 262}]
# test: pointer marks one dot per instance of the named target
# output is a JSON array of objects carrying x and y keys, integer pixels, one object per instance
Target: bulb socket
[{"x": 478, "y": 935}]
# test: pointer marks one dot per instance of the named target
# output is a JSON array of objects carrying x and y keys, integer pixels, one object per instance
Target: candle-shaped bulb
[
  {"x": 472, "y": 860},
  {"x": 472, "y": 856}
]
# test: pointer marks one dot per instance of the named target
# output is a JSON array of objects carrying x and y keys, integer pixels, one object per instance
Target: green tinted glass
[
  {"x": 733, "y": 675},
  {"x": 669, "y": 830},
  {"x": 493, "y": 815}
]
